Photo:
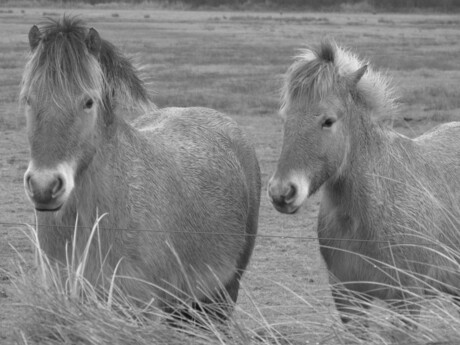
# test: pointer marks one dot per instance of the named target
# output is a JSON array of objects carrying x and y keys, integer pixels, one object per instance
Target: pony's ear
[
  {"x": 356, "y": 76},
  {"x": 34, "y": 37},
  {"x": 93, "y": 42}
]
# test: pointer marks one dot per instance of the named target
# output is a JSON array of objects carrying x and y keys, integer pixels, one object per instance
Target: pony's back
[{"x": 440, "y": 148}]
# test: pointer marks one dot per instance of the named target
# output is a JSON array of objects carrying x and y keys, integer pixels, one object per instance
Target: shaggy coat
[
  {"x": 179, "y": 188},
  {"x": 389, "y": 221}
]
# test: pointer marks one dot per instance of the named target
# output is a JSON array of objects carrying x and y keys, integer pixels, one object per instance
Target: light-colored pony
[
  {"x": 180, "y": 186},
  {"x": 389, "y": 221}
]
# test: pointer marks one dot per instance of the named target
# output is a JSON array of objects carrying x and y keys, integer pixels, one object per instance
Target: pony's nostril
[
  {"x": 279, "y": 200},
  {"x": 285, "y": 198},
  {"x": 291, "y": 193},
  {"x": 29, "y": 185},
  {"x": 58, "y": 187}
]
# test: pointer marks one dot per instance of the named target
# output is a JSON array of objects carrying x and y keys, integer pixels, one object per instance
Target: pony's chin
[
  {"x": 293, "y": 210},
  {"x": 287, "y": 209},
  {"x": 41, "y": 208}
]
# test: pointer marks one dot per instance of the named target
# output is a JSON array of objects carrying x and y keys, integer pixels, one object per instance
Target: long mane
[
  {"x": 61, "y": 66},
  {"x": 316, "y": 70}
]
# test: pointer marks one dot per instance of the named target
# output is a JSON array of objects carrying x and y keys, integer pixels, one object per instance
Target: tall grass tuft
[{"x": 63, "y": 308}]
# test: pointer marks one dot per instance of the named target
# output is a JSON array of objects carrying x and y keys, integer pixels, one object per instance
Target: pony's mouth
[
  {"x": 48, "y": 209},
  {"x": 286, "y": 208},
  {"x": 292, "y": 210}
]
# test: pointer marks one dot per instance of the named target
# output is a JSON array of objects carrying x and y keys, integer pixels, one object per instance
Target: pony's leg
[
  {"x": 220, "y": 305},
  {"x": 457, "y": 300},
  {"x": 409, "y": 309},
  {"x": 454, "y": 292},
  {"x": 351, "y": 306},
  {"x": 233, "y": 287},
  {"x": 215, "y": 308}
]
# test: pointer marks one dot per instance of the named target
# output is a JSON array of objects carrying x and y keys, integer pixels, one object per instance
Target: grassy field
[{"x": 234, "y": 62}]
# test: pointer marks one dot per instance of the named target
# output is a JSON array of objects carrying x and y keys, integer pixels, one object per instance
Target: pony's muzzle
[
  {"x": 45, "y": 189},
  {"x": 287, "y": 192},
  {"x": 282, "y": 195}
]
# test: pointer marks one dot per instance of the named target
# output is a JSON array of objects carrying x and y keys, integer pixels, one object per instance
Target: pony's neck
[
  {"x": 100, "y": 183},
  {"x": 103, "y": 190},
  {"x": 351, "y": 188}
]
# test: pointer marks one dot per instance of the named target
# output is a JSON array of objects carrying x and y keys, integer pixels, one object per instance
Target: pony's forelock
[
  {"x": 315, "y": 72},
  {"x": 60, "y": 67}
]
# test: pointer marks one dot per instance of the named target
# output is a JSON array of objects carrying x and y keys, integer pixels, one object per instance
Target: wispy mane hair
[
  {"x": 316, "y": 71},
  {"x": 62, "y": 66}
]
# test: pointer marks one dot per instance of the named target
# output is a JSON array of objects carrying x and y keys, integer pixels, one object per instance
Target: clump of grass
[
  {"x": 375, "y": 322},
  {"x": 65, "y": 308},
  {"x": 422, "y": 273}
]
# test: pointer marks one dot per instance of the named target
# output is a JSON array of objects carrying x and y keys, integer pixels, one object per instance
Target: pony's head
[
  {"x": 69, "y": 88},
  {"x": 324, "y": 89}
]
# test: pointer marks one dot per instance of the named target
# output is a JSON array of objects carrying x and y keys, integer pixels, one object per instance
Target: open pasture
[{"x": 234, "y": 62}]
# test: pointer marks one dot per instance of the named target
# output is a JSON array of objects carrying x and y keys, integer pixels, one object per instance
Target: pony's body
[
  {"x": 389, "y": 220},
  {"x": 398, "y": 205},
  {"x": 177, "y": 172},
  {"x": 180, "y": 188}
]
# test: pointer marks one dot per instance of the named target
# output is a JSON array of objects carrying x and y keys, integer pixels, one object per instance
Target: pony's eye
[
  {"x": 328, "y": 123},
  {"x": 89, "y": 103}
]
